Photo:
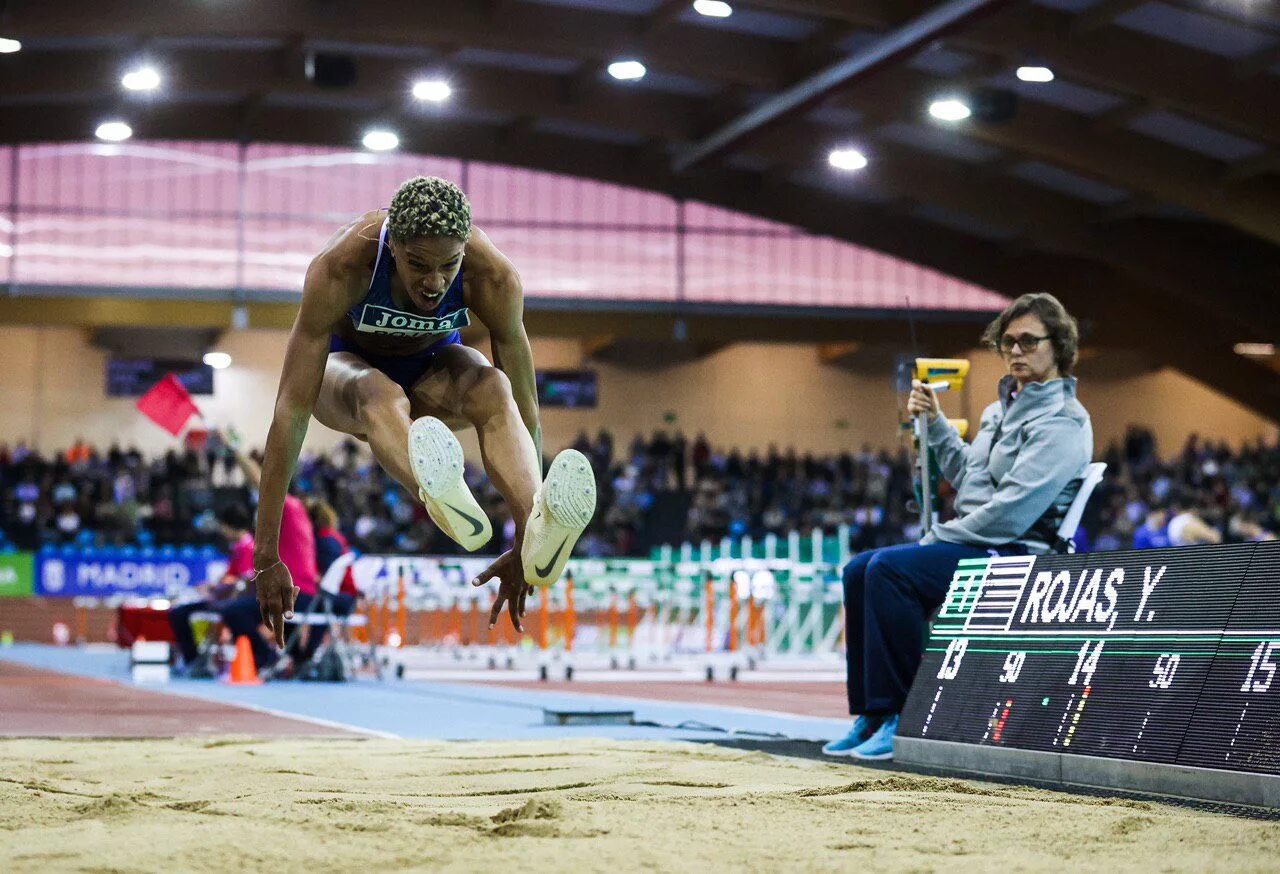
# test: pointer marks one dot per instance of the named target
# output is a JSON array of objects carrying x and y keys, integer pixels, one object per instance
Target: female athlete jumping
[{"x": 375, "y": 353}]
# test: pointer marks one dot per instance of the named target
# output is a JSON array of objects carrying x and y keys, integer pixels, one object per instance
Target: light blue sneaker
[
  {"x": 880, "y": 745},
  {"x": 863, "y": 726}
]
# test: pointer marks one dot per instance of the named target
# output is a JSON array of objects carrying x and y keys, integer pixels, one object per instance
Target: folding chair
[
  {"x": 335, "y": 659},
  {"x": 1071, "y": 522}
]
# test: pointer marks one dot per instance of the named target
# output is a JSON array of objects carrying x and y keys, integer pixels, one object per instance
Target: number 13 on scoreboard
[{"x": 951, "y": 660}]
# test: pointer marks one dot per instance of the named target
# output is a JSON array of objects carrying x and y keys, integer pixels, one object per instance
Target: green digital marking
[
  {"x": 1045, "y": 702},
  {"x": 1108, "y": 652}
]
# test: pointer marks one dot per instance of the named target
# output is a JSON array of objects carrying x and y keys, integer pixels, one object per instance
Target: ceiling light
[
  {"x": 113, "y": 131},
  {"x": 1256, "y": 350},
  {"x": 217, "y": 360},
  {"x": 712, "y": 8},
  {"x": 1035, "y": 74},
  {"x": 141, "y": 79},
  {"x": 9, "y": 46},
  {"x": 950, "y": 109},
  {"x": 847, "y": 159},
  {"x": 432, "y": 90},
  {"x": 627, "y": 71},
  {"x": 381, "y": 140}
]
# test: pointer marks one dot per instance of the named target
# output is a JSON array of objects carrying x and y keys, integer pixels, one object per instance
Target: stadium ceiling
[{"x": 1141, "y": 184}]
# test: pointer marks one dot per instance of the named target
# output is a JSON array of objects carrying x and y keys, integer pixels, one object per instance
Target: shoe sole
[
  {"x": 878, "y": 757},
  {"x": 437, "y": 461},
  {"x": 562, "y": 509},
  {"x": 841, "y": 754}
]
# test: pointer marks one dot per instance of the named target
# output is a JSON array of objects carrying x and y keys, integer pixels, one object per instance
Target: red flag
[{"x": 168, "y": 404}]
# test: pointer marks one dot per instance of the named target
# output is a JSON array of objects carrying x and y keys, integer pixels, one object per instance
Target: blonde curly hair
[{"x": 428, "y": 206}]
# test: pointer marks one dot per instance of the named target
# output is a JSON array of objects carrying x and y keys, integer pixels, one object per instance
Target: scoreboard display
[
  {"x": 567, "y": 388},
  {"x": 1168, "y": 656}
]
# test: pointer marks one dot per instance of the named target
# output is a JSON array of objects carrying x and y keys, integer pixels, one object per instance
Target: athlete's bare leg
[
  {"x": 358, "y": 399},
  {"x": 462, "y": 388}
]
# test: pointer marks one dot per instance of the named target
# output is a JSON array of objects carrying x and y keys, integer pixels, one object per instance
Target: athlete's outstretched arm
[
  {"x": 324, "y": 296},
  {"x": 499, "y": 302}
]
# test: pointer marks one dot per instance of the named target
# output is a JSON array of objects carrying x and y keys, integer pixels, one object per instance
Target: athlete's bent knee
[
  {"x": 488, "y": 392},
  {"x": 375, "y": 394}
]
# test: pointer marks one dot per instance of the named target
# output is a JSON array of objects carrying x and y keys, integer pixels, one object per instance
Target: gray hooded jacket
[{"x": 1016, "y": 480}]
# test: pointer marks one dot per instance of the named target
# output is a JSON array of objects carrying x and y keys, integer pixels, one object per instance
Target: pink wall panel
[
  {"x": 143, "y": 178},
  {"x": 815, "y": 271},
  {"x": 502, "y": 195},
  {"x": 277, "y": 250},
  {"x": 6, "y": 214},
  {"x": 602, "y": 265},
  {"x": 218, "y": 215},
  {"x": 336, "y": 184},
  {"x": 57, "y": 249}
]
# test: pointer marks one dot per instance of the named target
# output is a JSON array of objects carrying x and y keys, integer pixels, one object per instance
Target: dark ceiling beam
[
  {"x": 898, "y": 43},
  {"x": 1180, "y": 78},
  {"x": 1126, "y": 210},
  {"x": 1122, "y": 115},
  {"x": 1119, "y": 157},
  {"x": 1256, "y": 63},
  {"x": 1192, "y": 82},
  {"x": 49, "y": 80},
  {"x": 555, "y": 31},
  {"x": 666, "y": 13},
  {"x": 1100, "y": 15},
  {"x": 1268, "y": 163},
  {"x": 868, "y": 14},
  {"x": 1265, "y": 14},
  {"x": 1135, "y": 162},
  {"x": 1195, "y": 83}
]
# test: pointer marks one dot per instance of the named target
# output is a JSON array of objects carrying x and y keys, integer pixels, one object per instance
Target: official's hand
[
  {"x": 923, "y": 400},
  {"x": 512, "y": 589},
  {"x": 276, "y": 596}
]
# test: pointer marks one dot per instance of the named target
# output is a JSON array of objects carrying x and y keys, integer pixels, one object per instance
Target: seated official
[
  {"x": 234, "y": 523},
  {"x": 330, "y": 546},
  {"x": 1013, "y": 484},
  {"x": 242, "y": 616}
]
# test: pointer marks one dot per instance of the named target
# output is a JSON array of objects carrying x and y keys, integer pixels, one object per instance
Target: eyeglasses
[{"x": 1025, "y": 342}]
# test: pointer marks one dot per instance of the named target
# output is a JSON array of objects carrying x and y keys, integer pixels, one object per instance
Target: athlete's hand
[
  {"x": 923, "y": 400},
  {"x": 512, "y": 589},
  {"x": 276, "y": 596}
]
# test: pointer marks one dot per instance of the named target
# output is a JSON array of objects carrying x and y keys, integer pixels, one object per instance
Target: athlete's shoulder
[
  {"x": 353, "y": 248},
  {"x": 484, "y": 262}
]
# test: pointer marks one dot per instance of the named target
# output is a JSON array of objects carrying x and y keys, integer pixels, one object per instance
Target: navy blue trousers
[
  {"x": 889, "y": 595},
  {"x": 243, "y": 616}
]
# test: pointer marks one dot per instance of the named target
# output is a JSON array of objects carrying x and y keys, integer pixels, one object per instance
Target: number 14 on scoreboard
[{"x": 1086, "y": 662}]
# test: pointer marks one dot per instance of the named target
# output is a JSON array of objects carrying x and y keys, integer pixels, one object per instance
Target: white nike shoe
[
  {"x": 561, "y": 510},
  {"x": 436, "y": 457}
]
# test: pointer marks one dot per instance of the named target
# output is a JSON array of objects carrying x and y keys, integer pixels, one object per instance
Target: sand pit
[{"x": 352, "y": 805}]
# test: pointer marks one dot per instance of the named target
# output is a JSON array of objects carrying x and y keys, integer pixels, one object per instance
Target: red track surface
[
  {"x": 803, "y": 699},
  {"x": 48, "y": 704}
]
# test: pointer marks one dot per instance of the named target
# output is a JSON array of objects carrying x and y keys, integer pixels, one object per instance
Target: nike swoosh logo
[
  {"x": 476, "y": 525},
  {"x": 543, "y": 571}
]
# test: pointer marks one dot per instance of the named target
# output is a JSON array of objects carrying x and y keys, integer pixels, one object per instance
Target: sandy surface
[{"x": 373, "y": 805}]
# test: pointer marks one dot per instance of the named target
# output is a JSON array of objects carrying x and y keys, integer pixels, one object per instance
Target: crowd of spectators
[{"x": 91, "y": 496}]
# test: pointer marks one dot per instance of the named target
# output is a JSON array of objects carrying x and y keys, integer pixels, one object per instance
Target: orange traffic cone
[{"x": 243, "y": 671}]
